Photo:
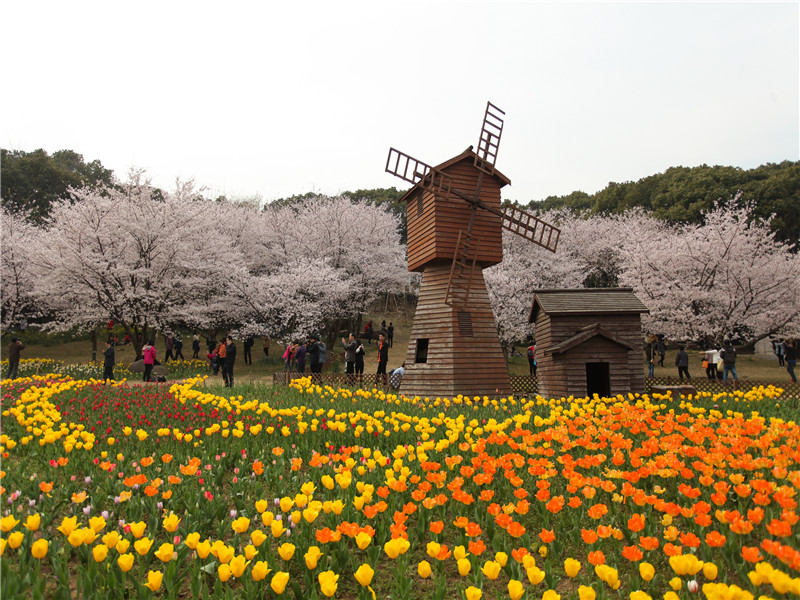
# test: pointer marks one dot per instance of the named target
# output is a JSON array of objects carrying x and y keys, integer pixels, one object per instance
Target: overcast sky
[{"x": 275, "y": 99}]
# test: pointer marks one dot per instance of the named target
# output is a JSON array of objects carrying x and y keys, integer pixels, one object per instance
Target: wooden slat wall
[
  {"x": 432, "y": 236},
  {"x": 472, "y": 366},
  {"x": 565, "y": 374}
]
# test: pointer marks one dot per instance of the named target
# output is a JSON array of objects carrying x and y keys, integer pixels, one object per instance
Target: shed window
[{"x": 421, "y": 355}]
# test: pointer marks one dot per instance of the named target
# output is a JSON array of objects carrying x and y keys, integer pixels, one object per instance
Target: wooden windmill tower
[{"x": 455, "y": 222}]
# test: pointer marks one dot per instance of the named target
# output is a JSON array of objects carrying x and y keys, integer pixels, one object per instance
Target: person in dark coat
[
  {"x": 14, "y": 349},
  {"x": 248, "y": 346},
  {"x": 790, "y": 356},
  {"x": 728, "y": 355},
  {"x": 350, "y": 346},
  {"x": 390, "y": 336},
  {"x": 312, "y": 352},
  {"x": 108, "y": 361},
  {"x": 230, "y": 358},
  {"x": 358, "y": 364},
  {"x": 300, "y": 358},
  {"x": 383, "y": 356},
  {"x": 682, "y": 362}
]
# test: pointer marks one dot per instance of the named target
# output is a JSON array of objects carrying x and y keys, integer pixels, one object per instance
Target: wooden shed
[{"x": 588, "y": 341}]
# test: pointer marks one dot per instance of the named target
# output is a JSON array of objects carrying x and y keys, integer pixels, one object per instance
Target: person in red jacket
[{"x": 149, "y": 355}]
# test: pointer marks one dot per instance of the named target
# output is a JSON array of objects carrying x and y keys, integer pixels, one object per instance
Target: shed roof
[
  {"x": 468, "y": 153},
  {"x": 586, "y": 301},
  {"x": 587, "y": 333}
]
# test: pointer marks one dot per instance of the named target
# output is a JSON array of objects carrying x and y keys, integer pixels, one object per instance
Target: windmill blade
[
  {"x": 531, "y": 228},
  {"x": 417, "y": 172},
  {"x": 489, "y": 141}
]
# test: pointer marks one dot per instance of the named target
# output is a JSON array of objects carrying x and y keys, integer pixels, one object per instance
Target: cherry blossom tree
[
  {"x": 726, "y": 278},
  {"x": 17, "y": 275},
  {"x": 128, "y": 254}
]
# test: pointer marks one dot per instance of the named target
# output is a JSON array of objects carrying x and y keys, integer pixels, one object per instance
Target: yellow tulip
[
  {"x": 312, "y": 557},
  {"x": 424, "y": 569},
  {"x": 328, "y": 582},
  {"x": 97, "y": 523},
  {"x": 224, "y": 572},
  {"x": 257, "y": 537},
  {"x": 241, "y": 525},
  {"x": 459, "y": 552},
  {"x": 125, "y": 562},
  {"x": 8, "y": 523},
  {"x": 646, "y": 571},
  {"x": 286, "y": 504},
  {"x": 164, "y": 552},
  {"x": 250, "y": 551},
  {"x": 203, "y": 549},
  {"x": 111, "y": 539},
  {"x": 676, "y": 583},
  {"x": 142, "y": 546},
  {"x": 154, "y": 580},
  {"x": 363, "y": 540},
  {"x": 266, "y": 518},
  {"x": 491, "y": 569},
  {"x": 75, "y": 538},
  {"x": 192, "y": 540},
  {"x": 171, "y": 522},
  {"x": 39, "y": 548},
  {"x": 137, "y": 529},
  {"x": 536, "y": 575},
  {"x": 238, "y": 565},
  {"x": 502, "y": 558},
  {"x": 279, "y": 581},
  {"x": 473, "y": 593},
  {"x": 586, "y": 593},
  {"x": 260, "y": 570},
  {"x": 364, "y": 575},
  {"x": 3, "y": 543},
  {"x": 395, "y": 547},
  {"x": 89, "y": 535},
  {"x": 571, "y": 567},
  {"x": 286, "y": 551},
  {"x": 68, "y": 525},
  {"x": 710, "y": 571},
  {"x": 33, "y": 522},
  {"x": 122, "y": 546},
  {"x": 99, "y": 553},
  {"x": 261, "y": 506},
  {"x": 639, "y": 595},
  {"x": 551, "y": 595},
  {"x": 277, "y": 528},
  {"x": 296, "y": 516},
  {"x": 464, "y": 566},
  {"x": 671, "y": 596},
  {"x": 225, "y": 553},
  {"x": 515, "y": 589}
]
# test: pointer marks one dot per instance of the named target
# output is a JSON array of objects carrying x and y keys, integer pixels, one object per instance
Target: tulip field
[{"x": 185, "y": 491}]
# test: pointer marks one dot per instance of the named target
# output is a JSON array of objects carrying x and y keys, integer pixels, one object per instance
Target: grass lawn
[{"x": 750, "y": 367}]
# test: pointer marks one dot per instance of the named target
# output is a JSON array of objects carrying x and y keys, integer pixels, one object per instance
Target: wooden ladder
[{"x": 462, "y": 270}]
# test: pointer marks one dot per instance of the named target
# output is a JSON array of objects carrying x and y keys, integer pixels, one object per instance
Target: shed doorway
[{"x": 598, "y": 379}]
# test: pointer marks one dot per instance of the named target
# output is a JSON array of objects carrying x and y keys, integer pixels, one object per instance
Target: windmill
[{"x": 455, "y": 221}]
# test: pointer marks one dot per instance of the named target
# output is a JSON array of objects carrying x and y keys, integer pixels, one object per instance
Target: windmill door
[{"x": 598, "y": 379}]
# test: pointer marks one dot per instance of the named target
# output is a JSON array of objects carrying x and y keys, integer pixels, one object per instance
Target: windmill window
[
  {"x": 419, "y": 203},
  {"x": 464, "y": 323},
  {"x": 421, "y": 355}
]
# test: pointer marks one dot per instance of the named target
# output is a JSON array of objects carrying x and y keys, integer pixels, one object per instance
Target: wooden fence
[{"x": 527, "y": 385}]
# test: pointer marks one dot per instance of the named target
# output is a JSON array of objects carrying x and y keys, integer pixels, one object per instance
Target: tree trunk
[{"x": 93, "y": 336}]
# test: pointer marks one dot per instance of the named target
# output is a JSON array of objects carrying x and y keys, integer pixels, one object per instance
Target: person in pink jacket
[{"x": 149, "y": 354}]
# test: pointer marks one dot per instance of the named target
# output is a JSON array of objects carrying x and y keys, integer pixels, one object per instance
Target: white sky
[{"x": 275, "y": 99}]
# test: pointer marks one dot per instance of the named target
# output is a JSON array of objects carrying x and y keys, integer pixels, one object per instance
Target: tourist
[
  {"x": 350, "y": 346},
  {"x": 266, "y": 346},
  {"x": 390, "y": 336},
  {"x": 196, "y": 345},
  {"x": 359, "y": 361},
  {"x": 248, "y": 347},
  {"x": 230, "y": 359},
  {"x": 790, "y": 356},
  {"x": 312, "y": 352},
  {"x": 682, "y": 362},
  {"x": 383, "y": 357},
  {"x": 531, "y": 352},
  {"x": 728, "y": 355},
  {"x": 711, "y": 360},
  {"x": 300, "y": 357},
  {"x": 149, "y": 359},
  {"x": 108, "y": 361},
  {"x": 178, "y": 345},
  {"x": 14, "y": 348}
]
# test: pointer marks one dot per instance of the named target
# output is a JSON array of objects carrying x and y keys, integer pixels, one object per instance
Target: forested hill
[{"x": 681, "y": 194}]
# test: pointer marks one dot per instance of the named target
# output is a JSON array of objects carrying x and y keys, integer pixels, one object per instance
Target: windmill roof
[
  {"x": 468, "y": 153},
  {"x": 586, "y": 301}
]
